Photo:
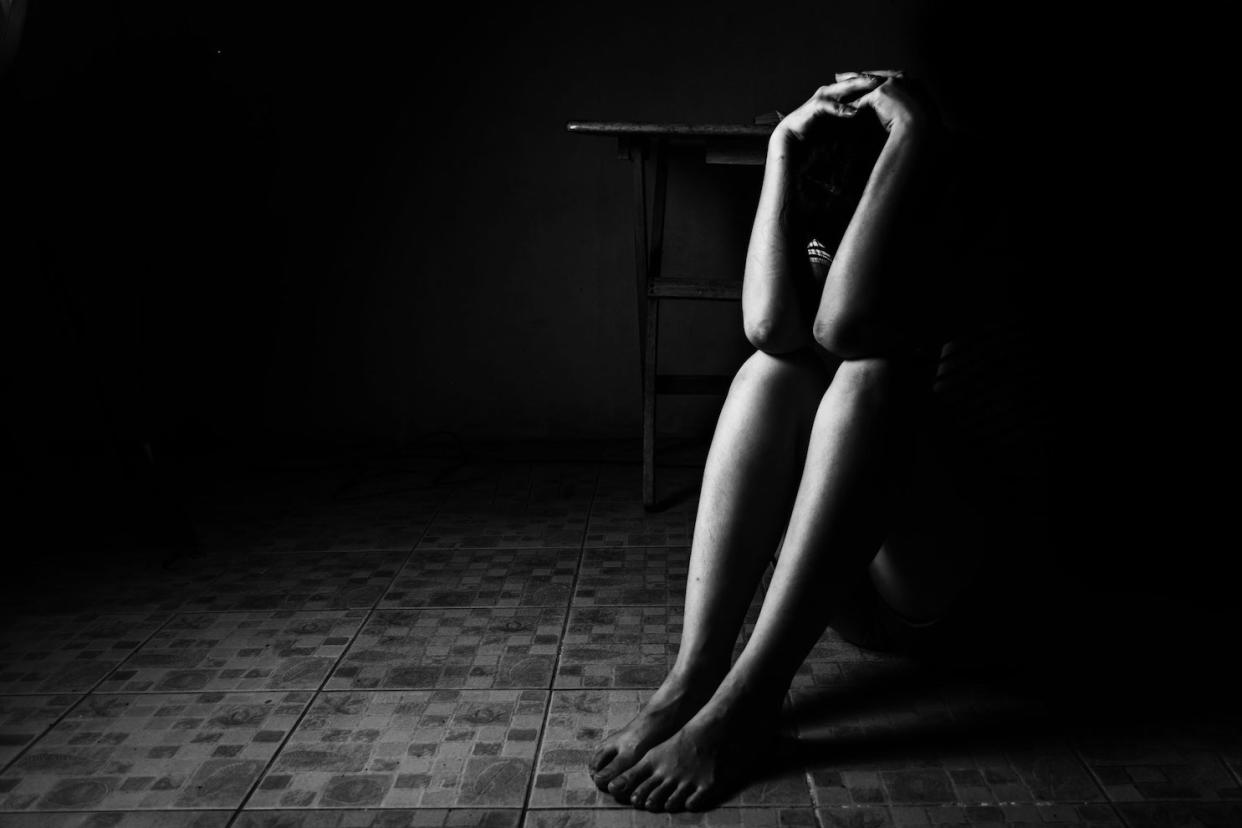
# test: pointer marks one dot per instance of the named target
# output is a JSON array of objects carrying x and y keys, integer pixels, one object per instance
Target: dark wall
[
  {"x": 303, "y": 224},
  {"x": 290, "y": 223}
]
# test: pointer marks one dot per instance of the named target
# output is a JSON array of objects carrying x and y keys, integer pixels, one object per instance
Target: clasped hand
[{"x": 895, "y": 102}]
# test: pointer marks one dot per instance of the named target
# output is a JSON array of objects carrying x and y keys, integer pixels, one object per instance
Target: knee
[
  {"x": 844, "y": 337},
  {"x": 856, "y": 336},
  {"x": 798, "y": 369}
]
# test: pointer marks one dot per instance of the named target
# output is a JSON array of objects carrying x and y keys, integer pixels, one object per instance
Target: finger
[
  {"x": 874, "y": 73},
  {"x": 839, "y": 109},
  {"x": 847, "y": 88},
  {"x": 867, "y": 101}
]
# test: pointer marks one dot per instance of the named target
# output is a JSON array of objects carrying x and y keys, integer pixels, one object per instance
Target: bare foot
[
  {"x": 670, "y": 707},
  {"x": 698, "y": 763}
]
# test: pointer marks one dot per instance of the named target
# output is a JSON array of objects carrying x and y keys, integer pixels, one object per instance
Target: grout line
[
  {"x": 556, "y": 662},
  {"x": 85, "y": 693},
  {"x": 1091, "y": 772},
  {"x": 1237, "y": 775},
  {"x": 1121, "y": 817},
  {"x": 327, "y": 676},
  {"x": 106, "y": 814}
]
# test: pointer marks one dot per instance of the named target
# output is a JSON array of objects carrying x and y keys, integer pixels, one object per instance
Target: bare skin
[
  {"x": 841, "y": 503},
  {"x": 761, "y": 437},
  {"x": 812, "y": 444}
]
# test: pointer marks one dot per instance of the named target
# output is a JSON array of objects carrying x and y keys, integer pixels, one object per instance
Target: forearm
[
  {"x": 775, "y": 309},
  {"x": 855, "y": 317}
]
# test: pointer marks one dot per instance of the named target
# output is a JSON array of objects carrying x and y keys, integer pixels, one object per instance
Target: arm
[
  {"x": 777, "y": 294},
  {"x": 775, "y": 304},
  {"x": 856, "y": 317}
]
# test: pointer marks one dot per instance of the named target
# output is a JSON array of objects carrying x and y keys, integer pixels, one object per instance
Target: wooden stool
[{"x": 638, "y": 143}]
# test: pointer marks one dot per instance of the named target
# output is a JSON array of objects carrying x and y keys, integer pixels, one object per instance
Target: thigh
[{"x": 936, "y": 540}]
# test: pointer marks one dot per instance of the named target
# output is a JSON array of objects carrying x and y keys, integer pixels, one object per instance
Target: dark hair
[{"x": 834, "y": 173}]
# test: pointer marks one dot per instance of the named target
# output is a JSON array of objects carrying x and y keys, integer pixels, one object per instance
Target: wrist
[
  {"x": 908, "y": 134},
  {"x": 781, "y": 141}
]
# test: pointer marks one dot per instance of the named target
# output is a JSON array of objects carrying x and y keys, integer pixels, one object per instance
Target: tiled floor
[{"x": 444, "y": 646}]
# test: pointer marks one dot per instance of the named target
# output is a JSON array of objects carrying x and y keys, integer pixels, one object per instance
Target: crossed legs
[{"x": 799, "y": 451}]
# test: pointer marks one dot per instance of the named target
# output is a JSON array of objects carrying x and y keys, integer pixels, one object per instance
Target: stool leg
[
  {"x": 651, "y": 348},
  {"x": 649, "y": 401}
]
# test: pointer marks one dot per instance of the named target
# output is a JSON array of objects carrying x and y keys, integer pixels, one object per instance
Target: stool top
[{"x": 643, "y": 129}]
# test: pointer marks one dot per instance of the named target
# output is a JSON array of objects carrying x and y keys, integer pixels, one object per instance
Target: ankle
[
  {"x": 697, "y": 676},
  {"x": 759, "y": 699}
]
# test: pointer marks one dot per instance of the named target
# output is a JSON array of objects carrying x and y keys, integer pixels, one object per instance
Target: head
[{"x": 833, "y": 174}]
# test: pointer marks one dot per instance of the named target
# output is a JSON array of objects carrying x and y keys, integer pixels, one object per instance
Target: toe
[
  {"x": 677, "y": 798},
  {"x": 620, "y": 762},
  {"x": 697, "y": 799},
  {"x": 658, "y": 798},
  {"x": 621, "y": 786},
  {"x": 601, "y": 757},
  {"x": 641, "y": 794}
]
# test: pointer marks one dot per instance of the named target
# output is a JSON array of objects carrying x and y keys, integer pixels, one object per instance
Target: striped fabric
[{"x": 817, "y": 253}]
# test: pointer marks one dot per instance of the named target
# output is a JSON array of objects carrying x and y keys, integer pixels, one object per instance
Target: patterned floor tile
[
  {"x": 619, "y": 646},
  {"x": 484, "y": 578},
  {"x": 120, "y": 819},
  {"x": 318, "y": 524},
  {"x": 859, "y": 816},
  {"x": 626, "y": 523},
  {"x": 508, "y": 527},
  {"x": 453, "y": 648},
  {"x": 628, "y": 646},
  {"x": 218, "y": 532},
  {"x": 518, "y": 484},
  {"x": 630, "y": 818},
  {"x": 632, "y": 575},
  {"x": 563, "y": 482},
  {"x": 24, "y": 718},
  {"x": 280, "y": 650},
  {"x": 410, "y": 482},
  {"x": 915, "y": 752},
  {"x": 301, "y": 581},
  {"x": 481, "y": 484},
  {"x": 430, "y": 749},
  {"x": 1042, "y": 815},
  {"x": 834, "y": 660},
  {"x": 386, "y": 818},
  {"x": 624, "y": 483},
  {"x": 143, "y": 751},
  {"x": 579, "y": 719},
  {"x": 1233, "y": 760},
  {"x": 68, "y": 653},
  {"x": 1152, "y": 764},
  {"x": 924, "y": 780},
  {"x": 1181, "y": 814},
  {"x": 358, "y": 532},
  {"x": 159, "y": 584}
]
